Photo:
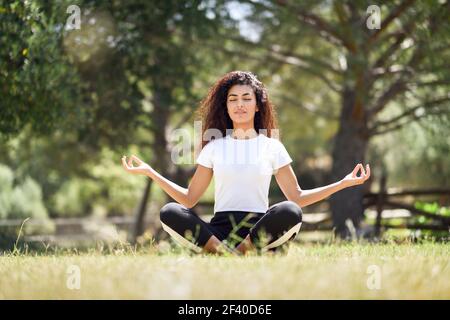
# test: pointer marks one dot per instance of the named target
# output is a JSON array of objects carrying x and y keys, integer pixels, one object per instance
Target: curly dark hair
[{"x": 213, "y": 109}]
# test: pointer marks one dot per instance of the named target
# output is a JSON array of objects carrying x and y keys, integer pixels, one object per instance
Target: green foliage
[
  {"x": 26, "y": 201},
  {"x": 20, "y": 201},
  {"x": 36, "y": 83},
  {"x": 108, "y": 191},
  {"x": 99, "y": 90},
  {"x": 88, "y": 88},
  {"x": 122, "y": 192},
  {"x": 6, "y": 185},
  {"x": 423, "y": 148},
  {"x": 432, "y": 207},
  {"x": 75, "y": 196}
]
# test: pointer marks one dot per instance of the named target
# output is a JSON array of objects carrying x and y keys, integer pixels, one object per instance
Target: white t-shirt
[{"x": 243, "y": 169}]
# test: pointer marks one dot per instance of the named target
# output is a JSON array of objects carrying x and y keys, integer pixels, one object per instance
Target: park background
[{"x": 85, "y": 82}]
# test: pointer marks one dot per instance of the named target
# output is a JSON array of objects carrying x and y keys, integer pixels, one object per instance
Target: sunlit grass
[{"x": 304, "y": 271}]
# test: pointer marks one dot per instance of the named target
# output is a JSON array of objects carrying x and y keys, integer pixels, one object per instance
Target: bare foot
[
  {"x": 246, "y": 245},
  {"x": 214, "y": 245}
]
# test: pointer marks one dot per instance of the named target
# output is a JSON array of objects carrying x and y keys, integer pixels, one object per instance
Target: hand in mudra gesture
[
  {"x": 352, "y": 179},
  {"x": 140, "y": 168}
]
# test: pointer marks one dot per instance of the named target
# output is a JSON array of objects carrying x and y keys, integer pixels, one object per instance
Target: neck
[{"x": 244, "y": 133}]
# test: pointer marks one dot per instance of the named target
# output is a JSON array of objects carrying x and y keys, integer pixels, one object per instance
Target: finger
[
  {"x": 139, "y": 161},
  {"x": 363, "y": 172},
  {"x": 130, "y": 162},
  {"x": 367, "y": 171},
  {"x": 358, "y": 167},
  {"x": 124, "y": 162},
  {"x": 355, "y": 170}
]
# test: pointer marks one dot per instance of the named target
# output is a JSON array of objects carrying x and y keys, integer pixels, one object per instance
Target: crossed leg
[{"x": 279, "y": 224}]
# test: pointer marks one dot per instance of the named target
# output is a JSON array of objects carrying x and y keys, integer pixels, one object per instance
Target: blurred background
[{"x": 84, "y": 82}]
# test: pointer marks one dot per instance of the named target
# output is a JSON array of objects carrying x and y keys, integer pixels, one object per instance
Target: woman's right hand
[{"x": 141, "y": 168}]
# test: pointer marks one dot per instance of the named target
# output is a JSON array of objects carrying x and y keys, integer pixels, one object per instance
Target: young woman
[{"x": 241, "y": 150}]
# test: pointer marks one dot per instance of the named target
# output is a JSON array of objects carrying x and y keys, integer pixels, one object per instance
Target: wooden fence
[
  {"x": 382, "y": 206},
  {"x": 392, "y": 199}
]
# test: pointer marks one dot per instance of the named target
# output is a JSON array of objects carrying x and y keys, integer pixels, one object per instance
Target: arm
[
  {"x": 187, "y": 197},
  {"x": 287, "y": 181}
]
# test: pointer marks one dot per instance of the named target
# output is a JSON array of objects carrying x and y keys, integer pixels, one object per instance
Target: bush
[
  {"x": 21, "y": 201},
  {"x": 75, "y": 197},
  {"x": 26, "y": 201},
  {"x": 108, "y": 191},
  {"x": 6, "y": 188}
]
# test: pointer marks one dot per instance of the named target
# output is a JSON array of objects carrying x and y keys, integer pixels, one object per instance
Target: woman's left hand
[{"x": 352, "y": 179}]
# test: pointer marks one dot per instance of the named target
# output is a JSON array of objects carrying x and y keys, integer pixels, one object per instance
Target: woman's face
[{"x": 241, "y": 104}]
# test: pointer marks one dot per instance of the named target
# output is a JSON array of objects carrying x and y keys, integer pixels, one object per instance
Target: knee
[
  {"x": 290, "y": 211},
  {"x": 168, "y": 212}
]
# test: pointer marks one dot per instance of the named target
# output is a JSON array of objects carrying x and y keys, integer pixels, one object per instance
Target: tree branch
[
  {"x": 396, "y": 88},
  {"x": 400, "y": 85},
  {"x": 273, "y": 48},
  {"x": 287, "y": 60},
  {"x": 410, "y": 112},
  {"x": 301, "y": 64},
  {"x": 434, "y": 21},
  {"x": 398, "y": 41},
  {"x": 394, "y": 15},
  {"x": 433, "y": 83},
  {"x": 322, "y": 27},
  {"x": 392, "y": 70},
  {"x": 308, "y": 107}
]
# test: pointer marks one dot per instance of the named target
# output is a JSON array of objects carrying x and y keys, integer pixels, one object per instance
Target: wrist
[
  {"x": 150, "y": 172},
  {"x": 344, "y": 184}
]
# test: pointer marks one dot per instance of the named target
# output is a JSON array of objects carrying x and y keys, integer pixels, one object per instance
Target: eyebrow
[{"x": 235, "y": 95}]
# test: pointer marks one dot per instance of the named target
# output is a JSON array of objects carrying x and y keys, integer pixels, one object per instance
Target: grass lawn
[{"x": 304, "y": 271}]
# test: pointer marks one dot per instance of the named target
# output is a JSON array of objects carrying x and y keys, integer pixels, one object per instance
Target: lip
[{"x": 240, "y": 112}]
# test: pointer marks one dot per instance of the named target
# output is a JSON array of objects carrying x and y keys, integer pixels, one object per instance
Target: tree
[
  {"x": 385, "y": 78},
  {"x": 37, "y": 85},
  {"x": 135, "y": 64},
  {"x": 157, "y": 44}
]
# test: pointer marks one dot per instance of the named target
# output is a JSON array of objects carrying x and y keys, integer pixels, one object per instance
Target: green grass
[{"x": 305, "y": 271}]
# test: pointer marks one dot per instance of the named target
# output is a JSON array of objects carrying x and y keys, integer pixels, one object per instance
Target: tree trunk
[
  {"x": 161, "y": 163},
  {"x": 349, "y": 149},
  {"x": 139, "y": 224}
]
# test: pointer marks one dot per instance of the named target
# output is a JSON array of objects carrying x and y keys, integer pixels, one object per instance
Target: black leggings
[{"x": 270, "y": 229}]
